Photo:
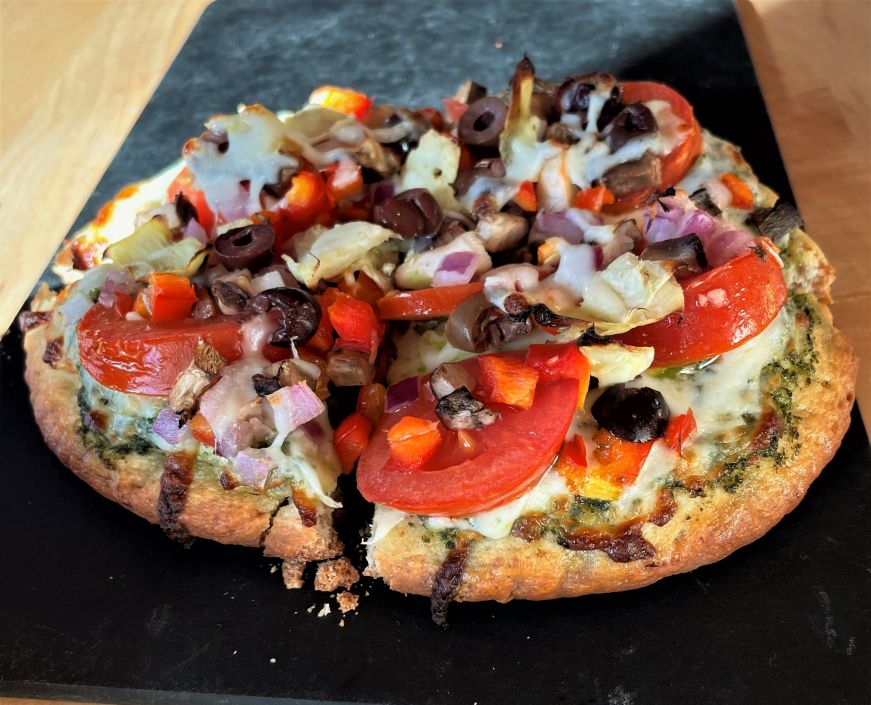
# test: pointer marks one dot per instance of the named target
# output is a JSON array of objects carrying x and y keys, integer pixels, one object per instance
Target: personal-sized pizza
[{"x": 589, "y": 349}]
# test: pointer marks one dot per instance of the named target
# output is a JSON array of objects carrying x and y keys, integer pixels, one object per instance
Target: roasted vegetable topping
[{"x": 300, "y": 314}]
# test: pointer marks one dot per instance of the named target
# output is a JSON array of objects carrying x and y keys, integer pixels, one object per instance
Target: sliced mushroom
[
  {"x": 687, "y": 254},
  {"x": 643, "y": 173},
  {"x": 295, "y": 370},
  {"x": 300, "y": 314},
  {"x": 476, "y": 325},
  {"x": 702, "y": 199},
  {"x": 448, "y": 377},
  {"x": 188, "y": 389},
  {"x": 449, "y": 231},
  {"x": 349, "y": 368},
  {"x": 230, "y": 297},
  {"x": 205, "y": 306},
  {"x": 459, "y": 410},
  {"x": 209, "y": 359},
  {"x": 501, "y": 231},
  {"x": 778, "y": 221}
]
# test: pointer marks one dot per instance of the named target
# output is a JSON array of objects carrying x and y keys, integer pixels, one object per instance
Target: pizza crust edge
[{"x": 210, "y": 512}]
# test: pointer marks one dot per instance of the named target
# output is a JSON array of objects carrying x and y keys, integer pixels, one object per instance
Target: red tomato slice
[
  {"x": 674, "y": 164},
  {"x": 475, "y": 470},
  {"x": 144, "y": 357},
  {"x": 423, "y": 304},
  {"x": 184, "y": 184},
  {"x": 723, "y": 308}
]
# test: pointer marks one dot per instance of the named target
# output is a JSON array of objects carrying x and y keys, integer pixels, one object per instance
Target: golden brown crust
[
  {"x": 703, "y": 530},
  {"x": 227, "y": 516}
]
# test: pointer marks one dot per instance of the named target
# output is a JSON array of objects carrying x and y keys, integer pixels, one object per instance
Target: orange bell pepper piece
[
  {"x": 170, "y": 296},
  {"x": 594, "y": 198},
  {"x": 506, "y": 380},
  {"x": 526, "y": 198},
  {"x": 742, "y": 196},
  {"x": 413, "y": 441},
  {"x": 344, "y": 100},
  {"x": 363, "y": 287},
  {"x": 202, "y": 430}
]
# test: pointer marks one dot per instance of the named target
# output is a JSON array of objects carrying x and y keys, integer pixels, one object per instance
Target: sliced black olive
[
  {"x": 482, "y": 122},
  {"x": 687, "y": 251},
  {"x": 300, "y": 314},
  {"x": 184, "y": 209},
  {"x": 410, "y": 213},
  {"x": 230, "y": 297},
  {"x": 702, "y": 200},
  {"x": 247, "y": 247},
  {"x": 591, "y": 337},
  {"x": 264, "y": 386},
  {"x": 493, "y": 168},
  {"x": 573, "y": 96},
  {"x": 637, "y": 414},
  {"x": 460, "y": 410},
  {"x": 778, "y": 221},
  {"x": 635, "y": 120}
]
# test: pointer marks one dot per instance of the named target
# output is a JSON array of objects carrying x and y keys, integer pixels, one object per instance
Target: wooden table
[{"x": 75, "y": 75}]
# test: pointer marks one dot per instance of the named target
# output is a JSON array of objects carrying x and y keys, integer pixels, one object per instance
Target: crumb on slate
[
  {"x": 347, "y": 601},
  {"x": 291, "y": 571},
  {"x": 335, "y": 574},
  {"x": 325, "y": 610}
]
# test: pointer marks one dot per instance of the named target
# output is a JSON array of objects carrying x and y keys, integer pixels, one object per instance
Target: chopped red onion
[
  {"x": 292, "y": 407},
  {"x": 456, "y": 268},
  {"x": 313, "y": 429},
  {"x": 402, "y": 393},
  {"x": 118, "y": 281},
  {"x": 726, "y": 245},
  {"x": 698, "y": 222},
  {"x": 167, "y": 426},
  {"x": 195, "y": 230},
  {"x": 549, "y": 225},
  {"x": 251, "y": 468},
  {"x": 236, "y": 437}
]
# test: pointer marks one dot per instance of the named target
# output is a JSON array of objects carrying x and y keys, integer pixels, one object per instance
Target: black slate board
[{"x": 96, "y": 604}]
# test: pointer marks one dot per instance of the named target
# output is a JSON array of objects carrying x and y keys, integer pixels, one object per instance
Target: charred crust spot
[
  {"x": 308, "y": 512},
  {"x": 178, "y": 473},
  {"x": 665, "y": 508},
  {"x": 54, "y": 350},
  {"x": 28, "y": 320},
  {"x": 530, "y": 527},
  {"x": 768, "y": 433},
  {"x": 446, "y": 583},
  {"x": 94, "y": 421}
]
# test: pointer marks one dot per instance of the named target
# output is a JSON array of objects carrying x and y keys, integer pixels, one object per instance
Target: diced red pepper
[
  {"x": 454, "y": 109},
  {"x": 344, "y": 180},
  {"x": 372, "y": 401},
  {"x": 322, "y": 340},
  {"x": 305, "y": 203},
  {"x": 363, "y": 287},
  {"x": 572, "y": 463},
  {"x": 413, "y": 441},
  {"x": 123, "y": 303},
  {"x": 506, "y": 380},
  {"x": 184, "y": 184},
  {"x": 526, "y": 198},
  {"x": 594, "y": 198},
  {"x": 202, "y": 430},
  {"x": 680, "y": 431},
  {"x": 170, "y": 296},
  {"x": 620, "y": 460},
  {"x": 344, "y": 100},
  {"x": 742, "y": 196},
  {"x": 355, "y": 323},
  {"x": 561, "y": 361},
  {"x": 351, "y": 439}
]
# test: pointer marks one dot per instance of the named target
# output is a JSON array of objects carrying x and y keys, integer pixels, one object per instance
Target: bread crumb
[
  {"x": 341, "y": 622},
  {"x": 335, "y": 574},
  {"x": 273, "y": 568},
  {"x": 272, "y": 660},
  {"x": 347, "y": 601},
  {"x": 325, "y": 610},
  {"x": 291, "y": 572},
  {"x": 310, "y": 609},
  {"x": 497, "y": 44}
]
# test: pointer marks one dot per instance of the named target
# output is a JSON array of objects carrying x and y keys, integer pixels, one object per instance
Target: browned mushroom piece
[
  {"x": 448, "y": 377},
  {"x": 459, "y": 410},
  {"x": 627, "y": 178},
  {"x": 300, "y": 314},
  {"x": 230, "y": 297},
  {"x": 501, "y": 231},
  {"x": 349, "y": 368},
  {"x": 205, "y": 306},
  {"x": 477, "y": 325}
]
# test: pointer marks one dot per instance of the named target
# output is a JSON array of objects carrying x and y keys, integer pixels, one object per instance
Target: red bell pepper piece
[
  {"x": 506, "y": 380},
  {"x": 202, "y": 430},
  {"x": 355, "y": 323},
  {"x": 680, "y": 431},
  {"x": 592, "y": 199},
  {"x": 351, "y": 439},
  {"x": 561, "y": 361},
  {"x": 526, "y": 198},
  {"x": 413, "y": 441},
  {"x": 170, "y": 297}
]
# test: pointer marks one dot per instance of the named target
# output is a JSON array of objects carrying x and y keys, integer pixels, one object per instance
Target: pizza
[{"x": 563, "y": 336}]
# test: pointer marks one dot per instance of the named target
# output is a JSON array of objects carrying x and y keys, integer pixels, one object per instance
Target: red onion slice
[
  {"x": 238, "y": 436},
  {"x": 402, "y": 393},
  {"x": 456, "y": 268},
  {"x": 292, "y": 407},
  {"x": 251, "y": 468},
  {"x": 699, "y": 223},
  {"x": 117, "y": 281},
  {"x": 166, "y": 425},
  {"x": 549, "y": 225},
  {"x": 195, "y": 230},
  {"x": 726, "y": 245}
]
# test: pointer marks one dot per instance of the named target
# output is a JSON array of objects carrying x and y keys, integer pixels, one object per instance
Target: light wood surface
[{"x": 75, "y": 75}]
